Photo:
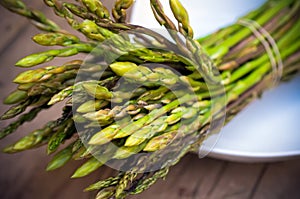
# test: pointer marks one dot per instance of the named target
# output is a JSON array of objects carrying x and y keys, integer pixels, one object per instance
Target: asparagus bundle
[{"x": 142, "y": 101}]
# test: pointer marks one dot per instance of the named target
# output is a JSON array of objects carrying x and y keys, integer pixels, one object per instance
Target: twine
[{"x": 270, "y": 46}]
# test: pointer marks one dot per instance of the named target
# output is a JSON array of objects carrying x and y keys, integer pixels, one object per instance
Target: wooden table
[{"x": 23, "y": 176}]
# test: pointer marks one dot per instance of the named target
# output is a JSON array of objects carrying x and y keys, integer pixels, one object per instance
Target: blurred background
[{"x": 23, "y": 175}]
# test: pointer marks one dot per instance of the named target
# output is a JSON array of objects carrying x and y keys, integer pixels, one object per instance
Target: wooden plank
[
  {"x": 191, "y": 178},
  {"x": 237, "y": 181},
  {"x": 24, "y": 176},
  {"x": 11, "y": 25},
  {"x": 280, "y": 181}
]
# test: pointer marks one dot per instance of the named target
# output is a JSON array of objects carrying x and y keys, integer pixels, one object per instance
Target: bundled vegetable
[{"x": 141, "y": 100}]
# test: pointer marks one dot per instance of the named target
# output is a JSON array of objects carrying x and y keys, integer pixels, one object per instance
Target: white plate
[{"x": 267, "y": 130}]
